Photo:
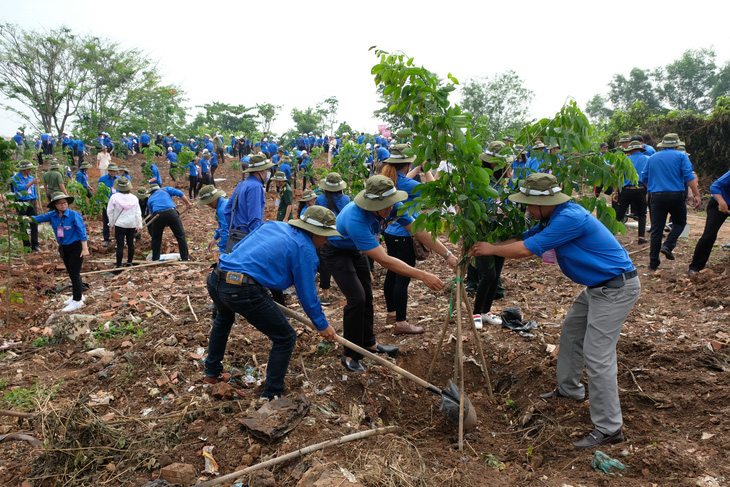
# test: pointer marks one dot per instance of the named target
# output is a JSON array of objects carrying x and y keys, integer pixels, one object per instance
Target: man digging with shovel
[{"x": 589, "y": 254}]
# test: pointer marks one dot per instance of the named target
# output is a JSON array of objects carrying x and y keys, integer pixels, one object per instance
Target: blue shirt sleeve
[{"x": 255, "y": 200}]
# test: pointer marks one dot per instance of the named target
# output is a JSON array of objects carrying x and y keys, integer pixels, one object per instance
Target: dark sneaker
[
  {"x": 387, "y": 349},
  {"x": 642, "y": 240},
  {"x": 105, "y": 244},
  {"x": 667, "y": 253},
  {"x": 595, "y": 439},
  {"x": 554, "y": 393},
  {"x": 353, "y": 366}
]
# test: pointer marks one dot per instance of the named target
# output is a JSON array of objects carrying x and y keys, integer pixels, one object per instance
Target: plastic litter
[
  {"x": 211, "y": 466},
  {"x": 604, "y": 463},
  {"x": 175, "y": 256},
  {"x": 512, "y": 319}
]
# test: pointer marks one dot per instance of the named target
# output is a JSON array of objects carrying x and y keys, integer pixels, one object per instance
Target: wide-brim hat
[
  {"x": 54, "y": 165},
  {"x": 85, "y": 165},
  {"x": 379, "y": 193},
  {"x": 540, "y": 189},
  {"x": 58, "y": 195},
  {"x": 670, "y": 140},
  {"x": 493, "y": 151},
  {"x": 401, "y": 154},
  {"x": 112, "y": 167},
  {"x": 25, "y": 164},
  {"x": 279, "y": 176},
  {"x": 308, "y": 195},
  {"x": 634, "y": 145},
  {"x": 333, "y": 182},
  {"x": 153, "y": 187},
  {"x": 624, "y": 138},
  {"x": 123, "y": 185},
  {"x": 682, "y": 148},
  {"x": 141, "y": 193},
  {"x": 318, "y": 220},
  {"x": 539, "y": 145},
  {"x": 508, "y": 137},
  {"x": 258, "y": 163},
  {"x": 209, "y": 194}
]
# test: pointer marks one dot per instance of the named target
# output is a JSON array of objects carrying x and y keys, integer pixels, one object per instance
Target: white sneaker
[
  {"x": 73, "y": 306},
  {"x": 478, "y": 321},
  {"x": 491, "y": 318},
  {"x": 68, "y": 301}
]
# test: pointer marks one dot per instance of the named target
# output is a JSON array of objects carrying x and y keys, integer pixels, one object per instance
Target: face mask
[
  {"x": 529, "y": 217},
  {"x": 267, "y": 176}
]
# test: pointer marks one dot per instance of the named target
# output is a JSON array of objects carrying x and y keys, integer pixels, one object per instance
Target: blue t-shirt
[
  {"x": 20, "y": 186},
  {"x": 586, "y": 250},
  {"x": 340, "y": 200},
  {"x": 278, "y": 255},
  {"x": 721, "y": 186},
  {"x": 172, "y": 157},
  {"x": 72, "y": 222},
  {"x": 359, "y": 227},
  {"x": 108, "y": 181},
  {"x": 83, "y": 178},
  {"x": 382, "y": 154},
  {"x": 408, "y": 185},
  {"x": 162, "y": 199},
  {"x": 193, "y": 168},
  {"x": 155, "y": 174},
  {"x": 286, "y": 169},
  {"x": 638, "y": 159},
  {"x": 249, "y": 214},
  {"x": 667, "y": 170}
]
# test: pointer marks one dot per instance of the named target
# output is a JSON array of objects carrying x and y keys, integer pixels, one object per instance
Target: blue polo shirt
[
  {"x": 221, "y": 233},
  {"x": 305, "y": 162},
  {"x": 108, "y": 181},
  {"x": 408, "y": 185},
  {"x": 18, "y": 140},
  {"x": 667, "y": 170},
  {"x": 155, "y": 174},
  {"x": 650, "y": 151},
  {"x": 213, "y": 159},
  {"x": 249, "y": 214},
  {"x": 22, "y": 192},
  {"x": 83, "y": 178},
  {"x": 80, "y": 145},
  {"x": 721, "y": 186},
  {"x": 204, "y": 166},
  {"x": 638, "y": 159},
  {"x": 162, "y": 199},
  {"x": 340, "y": 200},
  {"x": 278, "y": 255},
  {"x": 172, "y": 157},
  {"x": 286, "y": 169},
  {"x": 144, "y": 138},
  {"x": 359, "y": 228},
  {"x": 193, "y": 168},
  {"x": 586, "y": 250},
  {"x": 72, "y": 222},
  {"x": 382, "y": 154}
]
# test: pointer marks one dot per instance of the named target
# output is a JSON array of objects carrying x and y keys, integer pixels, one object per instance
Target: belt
[
  {"x": 236, "y": 278},
  {"x": 668, "y": 192},
  {"x": 617, "y": 281},
  {"x": 163, "y": 211},
  {"x": 628, "y": 186}
]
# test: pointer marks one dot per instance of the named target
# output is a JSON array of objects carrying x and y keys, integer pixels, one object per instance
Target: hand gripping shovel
[{"x": 449, "y": 396}]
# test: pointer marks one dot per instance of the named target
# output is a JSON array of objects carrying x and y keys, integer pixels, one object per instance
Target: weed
[
  {"x": 111, "y": 330},
  {"x": 25, "y": 399},
  {"x": 40, "y": 342}
]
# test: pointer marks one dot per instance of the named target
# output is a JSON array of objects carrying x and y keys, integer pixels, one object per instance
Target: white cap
[
  {"x": 304, "y": 153},
  {"x": 367, "y": 146},
  {"x": 169, "y": 149}
]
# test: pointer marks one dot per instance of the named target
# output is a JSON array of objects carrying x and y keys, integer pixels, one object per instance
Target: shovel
[{"x": 449, "y": 396}]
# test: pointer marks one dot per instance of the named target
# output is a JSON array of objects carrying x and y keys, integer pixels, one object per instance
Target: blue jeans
[{"x": 253, "y": 303}]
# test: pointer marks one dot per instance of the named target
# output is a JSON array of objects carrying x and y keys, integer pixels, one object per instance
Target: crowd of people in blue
[{"x": 337, "y": 237}]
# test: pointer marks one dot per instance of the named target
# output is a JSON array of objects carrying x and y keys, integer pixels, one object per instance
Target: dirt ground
[{"x": 118, "y": 416}]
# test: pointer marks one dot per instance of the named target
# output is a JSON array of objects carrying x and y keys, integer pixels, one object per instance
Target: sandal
[
  {"x": 224, "y": 377},
  {"x": 407, "y": 329}
]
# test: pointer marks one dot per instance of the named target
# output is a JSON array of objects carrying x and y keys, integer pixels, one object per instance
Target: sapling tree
[{"x": 350, "y": 163}]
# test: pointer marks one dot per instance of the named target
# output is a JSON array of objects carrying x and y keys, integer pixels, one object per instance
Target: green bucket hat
[
  {"x": 25, "y": 164},
  {"x": 209, "y": 194},
  {"x": 670, "y": 140},
  {"x": 379, "y": 193},
  {"x": 404, "y": 133},
  {"x": 624, "y": 138},
  {"x": 141, "y": 193},
  {"x": 112, "y": 167},
  {"x": 85, "y": 165},
  {"x": 308, "y": 195},
  {"x": 540, "y": 189},
  {"x": 333, "y": 182},
  {"x": 258, "y": 163},
  {"x": 493, "y": 150},
  {"x": 54, "y": 164},
  {"x": 539, "y": 145},
  {"x": 318, "y": 220},
  {"x": 519, "y": 148},
  {"x": 286, "y": 159},
  {"x": 124, "y": 168},
  {"x": 123, "y": 185},
  {"x": 279, "y": 176},
  {"x": 508, "y": 138},
  {"x": 153, "y": 187},
  {"x": 634, "y": 145},
  {"x": 58, "y": 195},
  {"x": 682, "y": 148},
  {"x": 401, "y": 154}
]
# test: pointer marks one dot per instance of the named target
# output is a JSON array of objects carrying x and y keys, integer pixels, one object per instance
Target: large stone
[
  {"x": 327, "y": 476},
  {"x": 179, "y": 473}
]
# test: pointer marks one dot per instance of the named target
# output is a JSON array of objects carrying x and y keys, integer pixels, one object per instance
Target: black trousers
[
  {"x": 203, "y": 179},
  {"x": 81, "y": 158},
  {"x": 169, "y": 218},
  {"x": 30, "y": 211},
  {"x": 72, "y": 260},
  {"x": 213, "y": 167},
  {"x": 395, "y": 286},
  {"x": 120, "y": 235},
  {"x": 635, "y": 198},
  {"x": 663, "y": 204},
  {"x": 325, "y": 276},
  {"x": 715, "y": 219},
  {"x": 352, "y": 274},
  {"x": 105, "y": 229},
  {"x": 193, "y": 188},
  {"x": 490, "y": 268}
]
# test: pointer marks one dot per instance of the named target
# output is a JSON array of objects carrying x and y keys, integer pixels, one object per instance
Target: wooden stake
[
  {"x": 480, "y": 349},
  {"x": 193, "y": 311},
  {"x": 298, "y": 453},
  {"x": 440, "y": 343},
  {"x": 124, "y": 269},
  {"x": 459, "y": 362}
]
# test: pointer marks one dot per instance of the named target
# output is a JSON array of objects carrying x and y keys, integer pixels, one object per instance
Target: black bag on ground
[{"x": 512, "y": 319}]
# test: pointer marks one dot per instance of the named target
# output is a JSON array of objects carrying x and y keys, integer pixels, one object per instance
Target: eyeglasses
[{"x": 61, "y": 202}]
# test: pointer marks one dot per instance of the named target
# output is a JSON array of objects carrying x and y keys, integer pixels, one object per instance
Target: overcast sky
[{"x": 296, "y": 54}]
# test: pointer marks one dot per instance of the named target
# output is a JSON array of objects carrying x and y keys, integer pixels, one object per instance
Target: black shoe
[
  {"x": 692, "y": 272},
  {"x": 595, "y": 439},
  {"x": 105, "y": 244},
  {"x": 186, "y": 259},
  {"x": 353, "y": 366},
  {"x": 36, "y": 248},
  {"x": 642, "y": 240},
  {"x": 667, "y": 253},
  {"x": 551, "y": 394},
  {"x": 391, "y": 351}
]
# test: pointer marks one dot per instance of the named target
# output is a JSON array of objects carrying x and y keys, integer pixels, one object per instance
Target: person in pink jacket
[{"x": 124, "y": 217}]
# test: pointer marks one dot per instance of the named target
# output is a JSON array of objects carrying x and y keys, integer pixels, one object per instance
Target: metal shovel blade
[{"x": 450, "y": 406}]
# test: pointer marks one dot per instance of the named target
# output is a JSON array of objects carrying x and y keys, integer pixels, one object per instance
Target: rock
[
  {"x": 254, "y": 450},
  {"x": 126, "y": 344},
  {"x": 327, "y": 476},
  {"x": 262, "y": 478},
  {"x": 200, "y": 338},
  {"x": 223, "y": 391},
  {"x": 166, "y": 356},
  {"x": 179, "y": 473},
  {"x": 712, "y": 301},
  {"x": 194, "y": 356},
  {"x": 222, "y": 431},
  {"x": 246, "y": 460}
]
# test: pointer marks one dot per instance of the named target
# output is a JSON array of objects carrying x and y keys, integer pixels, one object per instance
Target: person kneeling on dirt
[
  {"x": 275, "y": 255},
  {"x": 163, "y": 210},
  {"x": 589, "y": 254}
]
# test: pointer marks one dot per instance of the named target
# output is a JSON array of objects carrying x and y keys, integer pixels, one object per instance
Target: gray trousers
[{"x": 590, "y": 332}]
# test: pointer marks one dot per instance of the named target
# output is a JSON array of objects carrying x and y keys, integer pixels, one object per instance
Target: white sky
[{"x": 296, "y": 54}]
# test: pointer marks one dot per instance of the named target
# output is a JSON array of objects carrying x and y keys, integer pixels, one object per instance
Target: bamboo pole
[
  {"x": 459, "y": 361},
  {"x": 124, "y": 269},
  {"x": 480, "y": 349},
  {"x": 440, "y": 343},
  {"x": 298, "y": 453}
]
